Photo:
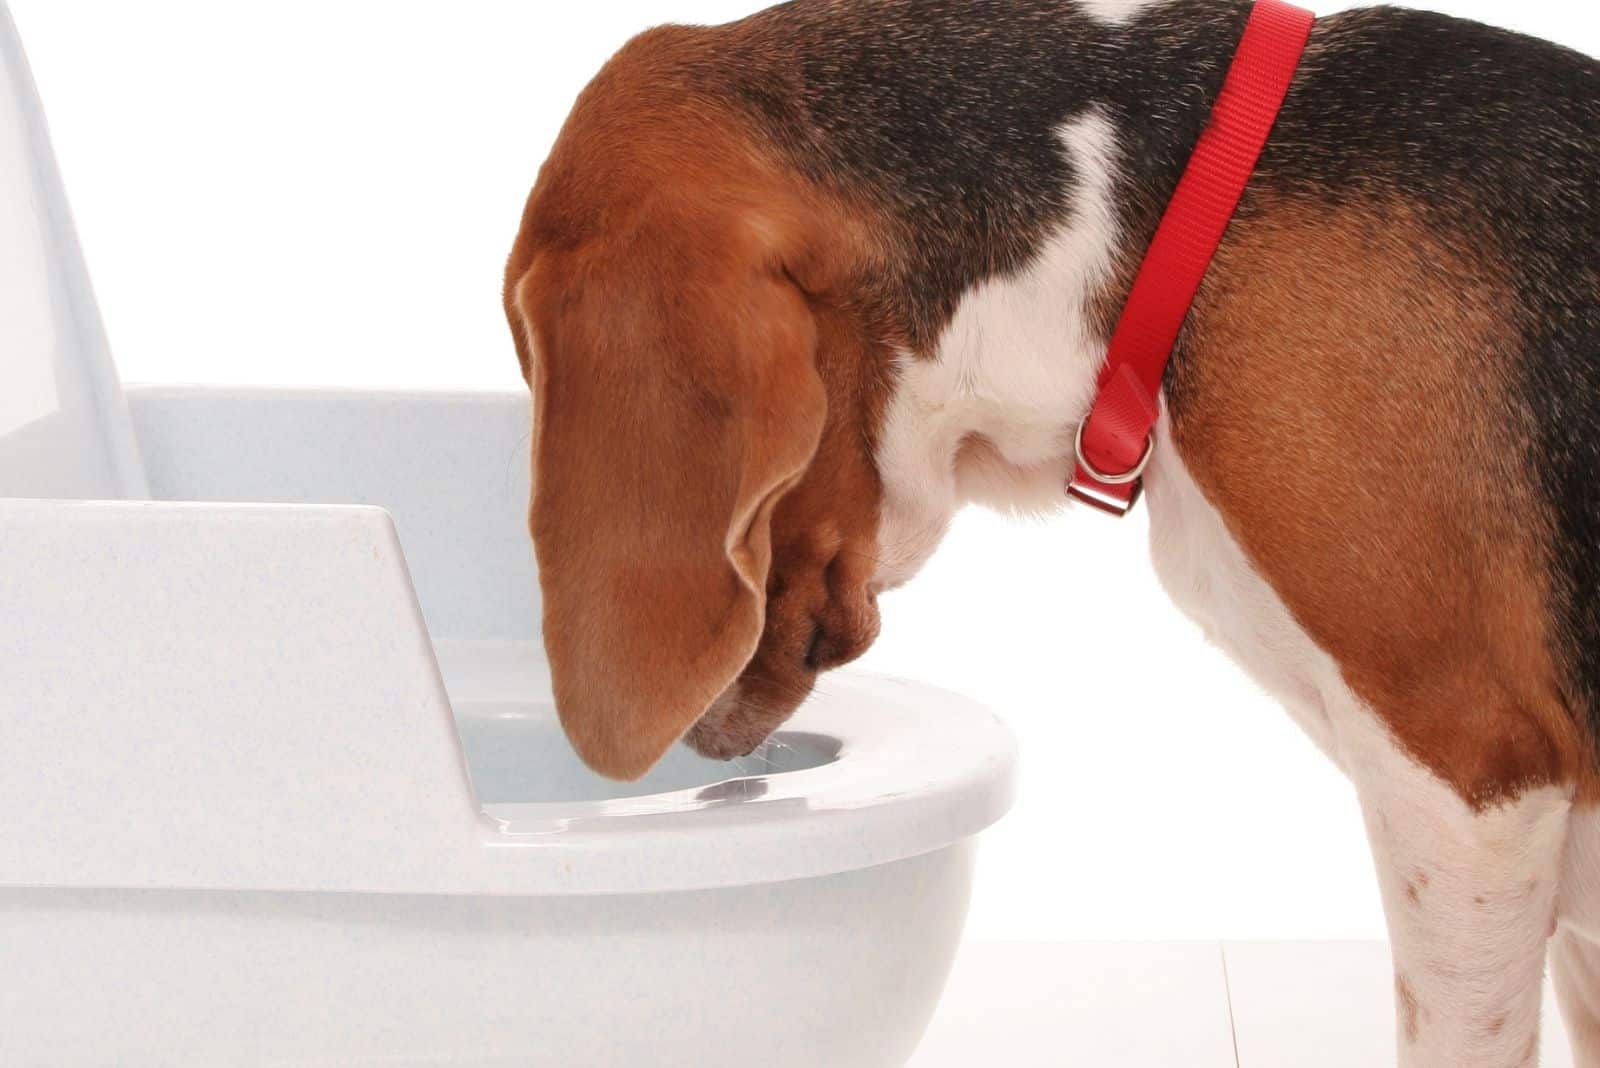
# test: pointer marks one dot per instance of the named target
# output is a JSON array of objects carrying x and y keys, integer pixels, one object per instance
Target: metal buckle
[
  {"x": 1100, "y": 501},
  {"x": 1115, "y": 480}
]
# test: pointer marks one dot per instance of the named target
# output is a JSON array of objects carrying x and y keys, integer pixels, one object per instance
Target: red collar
[{"x": 1119, "y": 433}]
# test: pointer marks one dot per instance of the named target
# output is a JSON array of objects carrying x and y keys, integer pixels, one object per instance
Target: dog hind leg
[
  {"x": 1575, "y": 960},
  {"x": 1470, "y": 895}
]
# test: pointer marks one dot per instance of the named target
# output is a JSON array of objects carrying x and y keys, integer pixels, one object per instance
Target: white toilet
[{"x": 280, "y": 778}]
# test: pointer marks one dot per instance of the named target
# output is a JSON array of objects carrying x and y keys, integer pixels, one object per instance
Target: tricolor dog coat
[{"x": 792, "y": 290}]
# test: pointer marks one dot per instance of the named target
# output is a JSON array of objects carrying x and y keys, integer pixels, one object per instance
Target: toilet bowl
[
  {"x": 177, "y": 888},
  {"x": 284, "y": 784},
  {"x": 282, "y": 781}
]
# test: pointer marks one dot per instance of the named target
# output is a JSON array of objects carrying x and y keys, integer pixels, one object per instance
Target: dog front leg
[{"x": 1470, "y": 894}]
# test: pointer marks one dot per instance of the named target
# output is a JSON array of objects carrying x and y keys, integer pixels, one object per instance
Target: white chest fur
[{"x": 990, "y": 418}]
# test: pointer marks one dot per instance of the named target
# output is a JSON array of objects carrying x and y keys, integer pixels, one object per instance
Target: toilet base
[{"x": 843, "y": 970}]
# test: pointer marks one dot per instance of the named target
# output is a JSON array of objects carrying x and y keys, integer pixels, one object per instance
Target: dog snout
[{"x": 842, "y": 635}]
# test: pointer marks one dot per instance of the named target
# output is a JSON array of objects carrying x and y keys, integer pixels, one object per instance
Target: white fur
[
  {"x": 1471, "y": 902},
  {"x": 1016, "y": 368},
  {"x": 1575, "y": 954},
  {"x": 1116, "y": 12},
  {"x": 1575, "y": 960},
  {"x": 1021, "y": 404}
]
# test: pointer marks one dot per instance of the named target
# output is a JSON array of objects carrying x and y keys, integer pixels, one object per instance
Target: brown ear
[{"x": 676, "y": 400}]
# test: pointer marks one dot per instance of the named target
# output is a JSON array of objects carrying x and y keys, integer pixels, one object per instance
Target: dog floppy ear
[{"x": 676, "y": 400}]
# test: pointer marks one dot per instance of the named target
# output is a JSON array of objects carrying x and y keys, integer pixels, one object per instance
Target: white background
[{"x": 322, "y": 192}]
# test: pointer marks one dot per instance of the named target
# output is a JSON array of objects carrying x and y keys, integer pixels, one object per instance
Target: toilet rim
[{"x": 918, "y": 769}]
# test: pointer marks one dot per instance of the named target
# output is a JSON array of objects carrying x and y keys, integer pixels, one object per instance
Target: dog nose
[{"x": 835, "y": 646}]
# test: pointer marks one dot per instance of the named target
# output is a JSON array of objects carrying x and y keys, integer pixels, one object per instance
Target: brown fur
[
  {"x": 822, "y": 612},
  {"x": 666, "y": 261},
  {"x": 1330, "y": 401},
  {"x": 1410, "y": 1011}
]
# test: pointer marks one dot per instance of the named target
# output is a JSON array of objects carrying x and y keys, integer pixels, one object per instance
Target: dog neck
[
  {"x": 1021, "y": 154},
  {"x": 960, "y": 136}
]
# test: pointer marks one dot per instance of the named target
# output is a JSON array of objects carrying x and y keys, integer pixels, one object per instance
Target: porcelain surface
[
  {"x": 258, "y": 812},
  {"x": 64, "y": 427}
]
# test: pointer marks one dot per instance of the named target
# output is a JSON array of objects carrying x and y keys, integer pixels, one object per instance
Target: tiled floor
[{"x": 1160, "y": 1005}]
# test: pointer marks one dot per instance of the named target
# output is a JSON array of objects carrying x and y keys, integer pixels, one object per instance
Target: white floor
[{"x": 1160, "y": 1005}]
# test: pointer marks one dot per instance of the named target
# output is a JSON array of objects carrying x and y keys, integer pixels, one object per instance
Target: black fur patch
[{"x": 946, "y": 113}]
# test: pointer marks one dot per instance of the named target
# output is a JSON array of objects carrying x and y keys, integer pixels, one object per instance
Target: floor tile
[{"x": 1065, "y": 1005}]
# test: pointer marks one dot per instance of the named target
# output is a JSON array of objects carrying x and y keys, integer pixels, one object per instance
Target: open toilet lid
[{"x": 65, "y": 431}]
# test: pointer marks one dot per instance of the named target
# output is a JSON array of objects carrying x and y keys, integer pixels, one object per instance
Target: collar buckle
[{"x": 1113, "y": 494}]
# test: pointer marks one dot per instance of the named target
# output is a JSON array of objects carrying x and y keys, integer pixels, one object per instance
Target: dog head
[{"x": 708, "y": 372}]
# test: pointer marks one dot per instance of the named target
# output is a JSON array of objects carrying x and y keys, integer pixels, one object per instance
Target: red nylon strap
[{"x": 1116, "y": 438}]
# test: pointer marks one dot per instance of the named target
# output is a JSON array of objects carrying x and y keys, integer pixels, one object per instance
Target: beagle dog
[{"x": 791, "y": 291}]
